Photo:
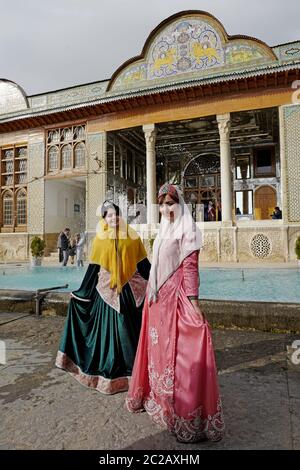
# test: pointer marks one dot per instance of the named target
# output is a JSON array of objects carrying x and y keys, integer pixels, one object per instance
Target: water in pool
[{"x": 271, "y": 285}]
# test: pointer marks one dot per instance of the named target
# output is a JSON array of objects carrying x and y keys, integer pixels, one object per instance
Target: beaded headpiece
[
  {"x": 168, "y": 188},
  {"x": 109, "y": 205}
]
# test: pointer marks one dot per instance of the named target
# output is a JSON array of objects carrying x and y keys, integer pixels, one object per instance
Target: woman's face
[
  {"x": 168, "y": 207},
  {"x": 111, "y": 218}
]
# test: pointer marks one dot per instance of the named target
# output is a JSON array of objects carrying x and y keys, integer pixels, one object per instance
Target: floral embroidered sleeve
[{"x": 191, "y": 275}]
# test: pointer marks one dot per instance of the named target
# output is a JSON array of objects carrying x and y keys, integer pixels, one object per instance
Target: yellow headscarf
[{"x": 118, "y": 251}]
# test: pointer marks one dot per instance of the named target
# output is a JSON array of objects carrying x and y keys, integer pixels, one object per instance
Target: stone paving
[{"x": 42, "y": 407}]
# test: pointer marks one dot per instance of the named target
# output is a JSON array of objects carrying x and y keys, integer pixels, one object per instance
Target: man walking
[{"x": 64, "y": 243}]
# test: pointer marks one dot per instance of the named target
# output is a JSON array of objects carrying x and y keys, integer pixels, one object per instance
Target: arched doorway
[
  {"x": 265, "y": 202},
  {"x": 202, "y": 186}
]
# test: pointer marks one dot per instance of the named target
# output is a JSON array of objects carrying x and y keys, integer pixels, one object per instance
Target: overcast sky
[{"x": 52, "y": 44}]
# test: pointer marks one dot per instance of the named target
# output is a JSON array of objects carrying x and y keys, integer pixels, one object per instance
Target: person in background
[
  {"x": 80, "y": 241},
  {"x": 211, "y": 212},
  {"x": 72, "y": 249},
  {"x": 60, "y": 253},
  {"x": 277, "y": 214},
  {"x": 63, "y": 244}
]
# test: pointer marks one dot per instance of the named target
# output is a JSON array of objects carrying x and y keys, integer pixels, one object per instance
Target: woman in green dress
[{"x": 103, "y": 323}]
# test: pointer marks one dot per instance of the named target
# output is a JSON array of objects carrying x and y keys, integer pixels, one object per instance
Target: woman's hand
[{"x": 195, "y": 303}]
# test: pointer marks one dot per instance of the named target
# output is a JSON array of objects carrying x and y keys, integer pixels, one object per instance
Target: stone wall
[
  {"x": 257, "y": 244},
  {"x": 14, "y": 247}
]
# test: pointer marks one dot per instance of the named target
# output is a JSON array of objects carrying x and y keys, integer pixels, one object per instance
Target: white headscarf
[{"x": 174, "y": 242}]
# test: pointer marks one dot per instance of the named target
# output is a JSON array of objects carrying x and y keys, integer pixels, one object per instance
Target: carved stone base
[{"x": 14, "y": 247}]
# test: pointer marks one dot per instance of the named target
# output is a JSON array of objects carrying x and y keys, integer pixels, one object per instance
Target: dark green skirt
[{"x": 98, "y": 344}]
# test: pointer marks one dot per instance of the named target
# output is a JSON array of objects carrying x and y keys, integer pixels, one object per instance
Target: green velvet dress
[{"x": 99, "y": 341}]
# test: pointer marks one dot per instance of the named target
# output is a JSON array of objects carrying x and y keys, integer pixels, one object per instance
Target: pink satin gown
[{"x": 174, "y": 376}]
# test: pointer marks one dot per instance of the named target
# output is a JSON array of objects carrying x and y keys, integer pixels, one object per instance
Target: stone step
[{"x": 49, "y": 259}]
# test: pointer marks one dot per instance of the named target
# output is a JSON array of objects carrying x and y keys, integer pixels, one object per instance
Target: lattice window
[
  {"x": 8, "y": 208},
  {"x": 23, "y": 165},
  {"x": 13, "y": 180},
  {"x": 67, "y": 135},
  {"x": 69, "y": 151},
  {"x": 53, "y": 158},
  {"x": 22, "y": 178},
  {"x": 22, "y": 152},
  {"x": 79, "y": 155},
  {"x": 22, "y": 207},
  {"x": 260, "y": 246},
  {"x": 79, "y": 133},
  {"x": 8, "y": 180},
  {"x": 53, "y": 137},
  {"x": 8, "y": 154},
  {"x": 9, "y": 166},
  {"x": 66, "y": 157}
]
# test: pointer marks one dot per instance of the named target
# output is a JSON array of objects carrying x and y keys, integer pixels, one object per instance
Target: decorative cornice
[{"x": 127, "y": 95}]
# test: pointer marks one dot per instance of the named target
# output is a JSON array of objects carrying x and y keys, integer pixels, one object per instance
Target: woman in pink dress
[{"x": 174, "y": 376}]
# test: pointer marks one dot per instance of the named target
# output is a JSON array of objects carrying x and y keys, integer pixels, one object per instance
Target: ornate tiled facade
[
  {"x": 36, "y": 184},
  {"x": 76, "y": 95},
  {"x": 292, "y": 156},
  {"x": 184, "y": 52},
  {"x": 210, "y": 251},
  {"x": 227, "y": 245},
  {"x": 191, "y": 45},
  {"x": 287, "y": 52},
  {"x": 292, "y": 234},
  {"x": 97, "y": 177},
  {"x": 12, "y": 99},
  {"x": 261, "y": 244}
]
